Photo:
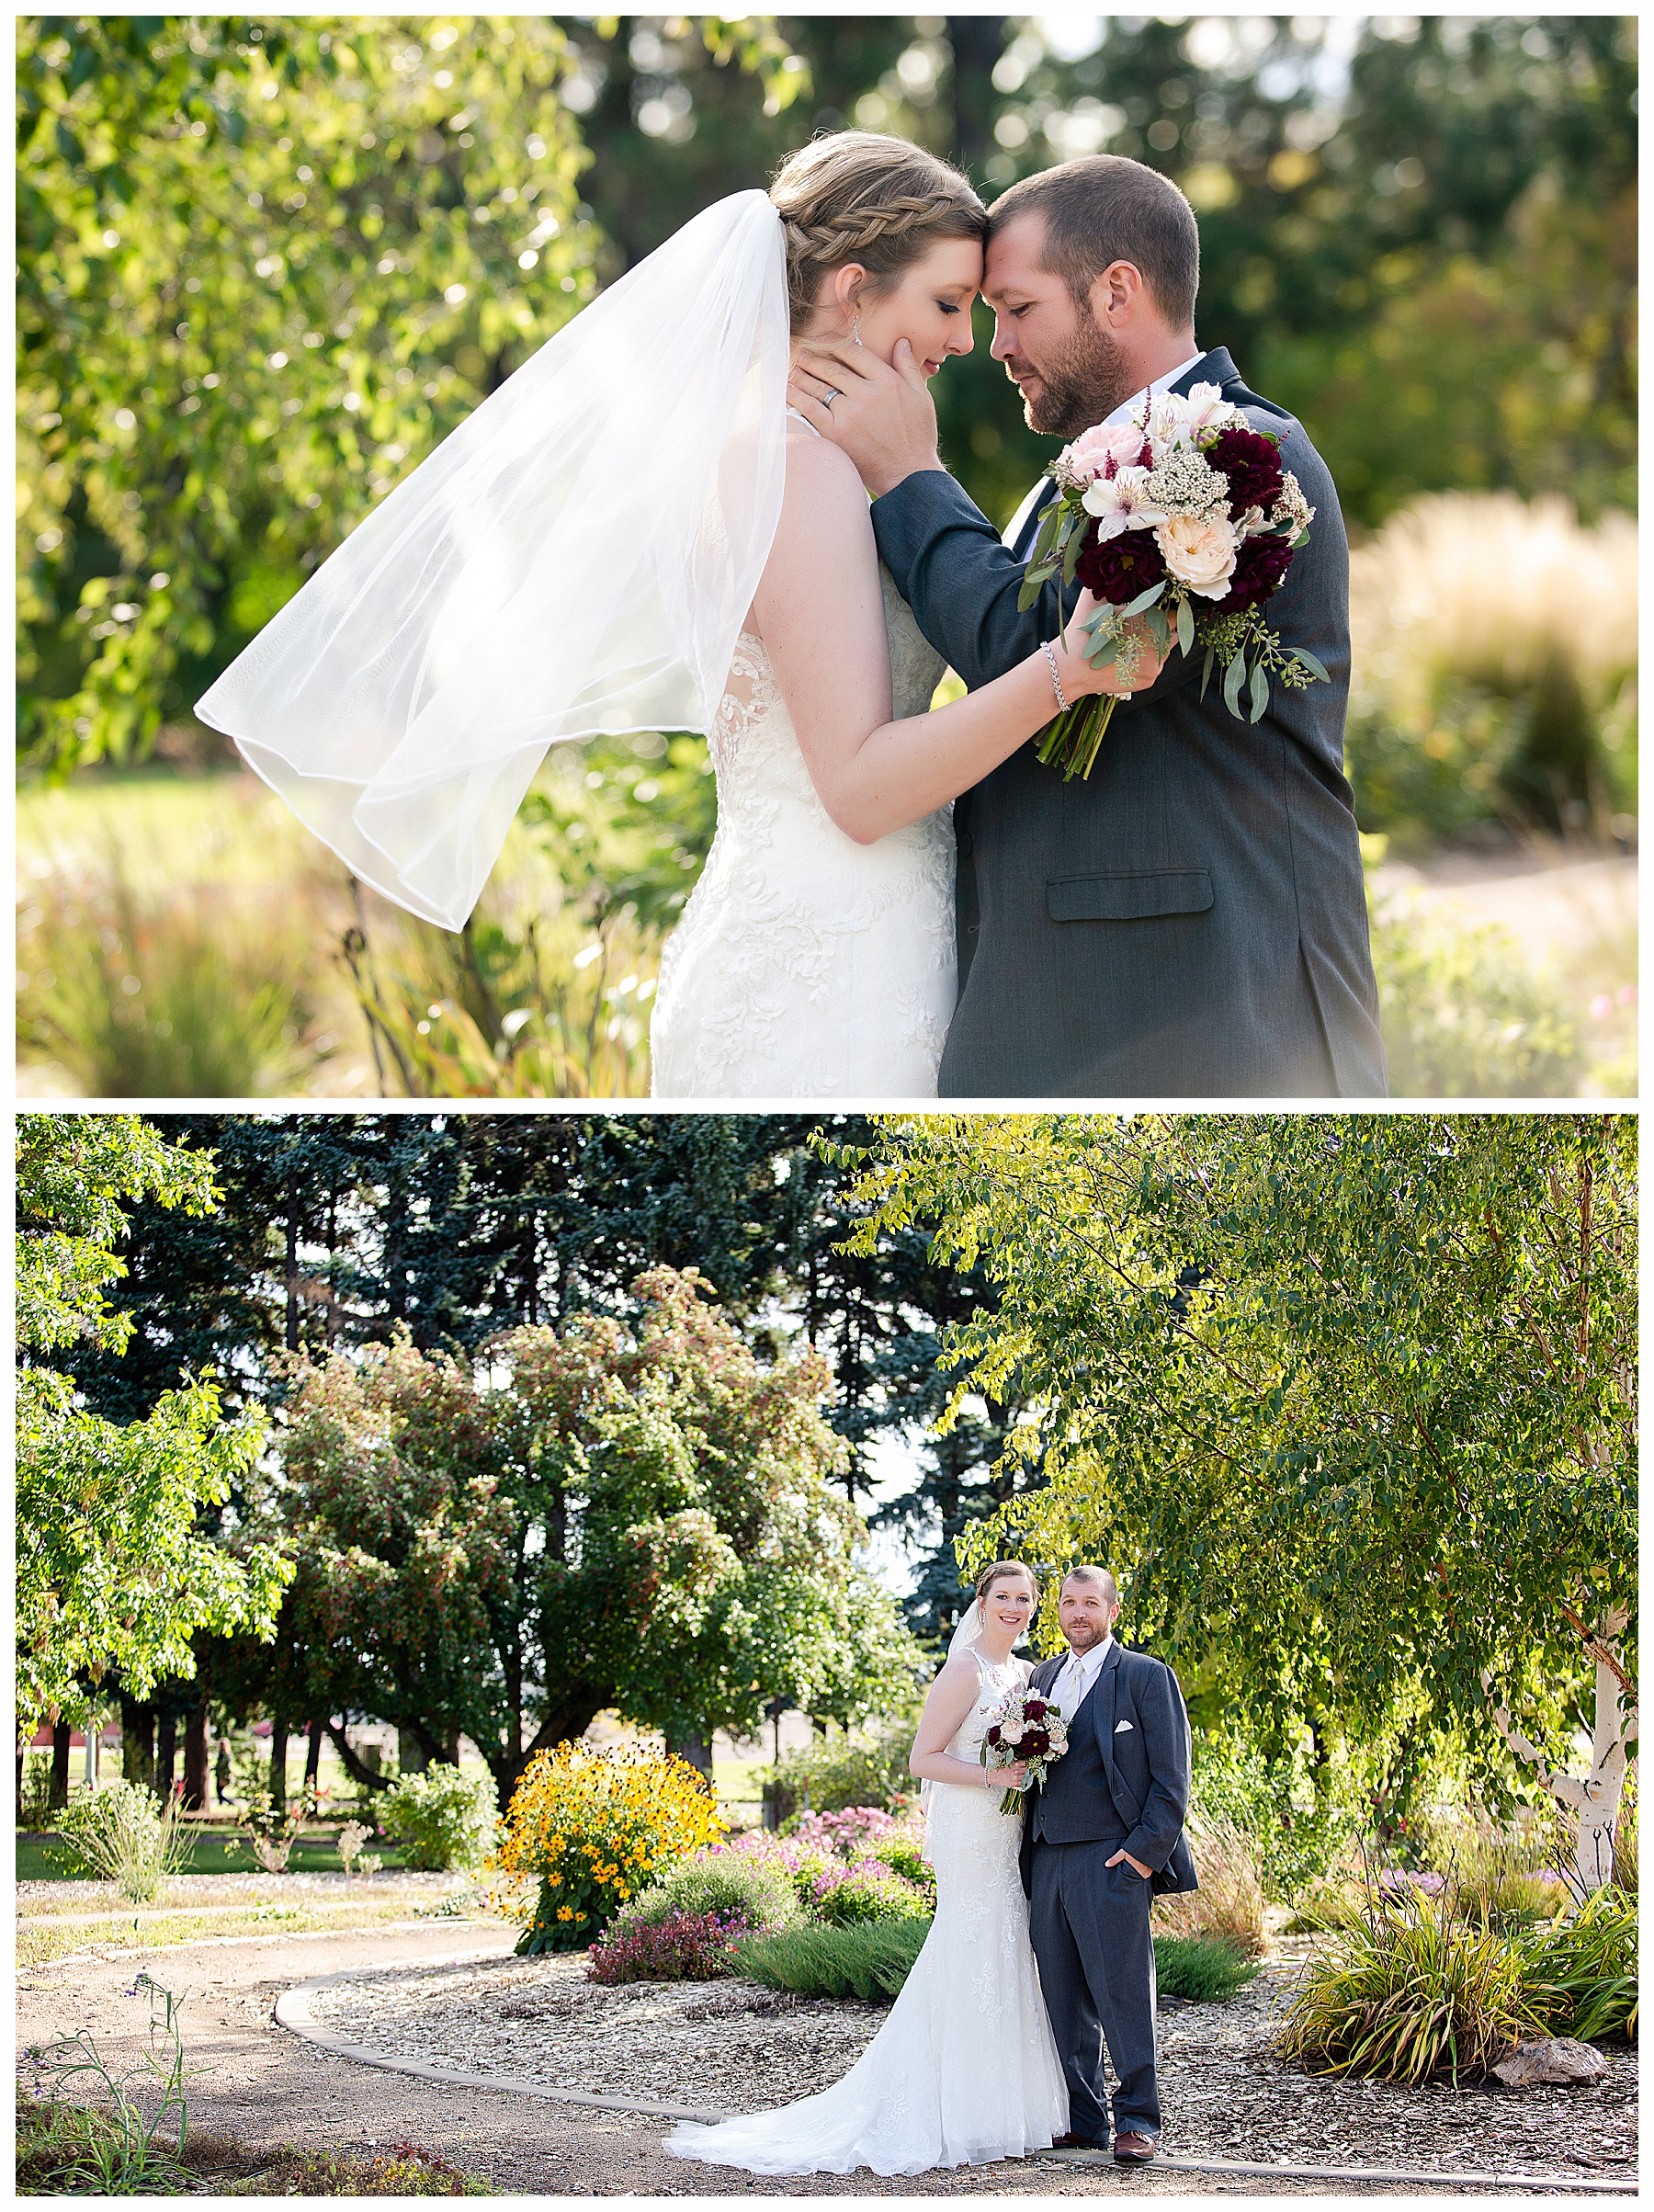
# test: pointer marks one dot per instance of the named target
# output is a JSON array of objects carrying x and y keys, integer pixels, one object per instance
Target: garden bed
[{"x": 734, "y": 2047}]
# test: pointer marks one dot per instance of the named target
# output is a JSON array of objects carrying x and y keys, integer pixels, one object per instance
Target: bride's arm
[
  {"x": 952, "y": 1695},
  {"x": 822, "y": 617}
]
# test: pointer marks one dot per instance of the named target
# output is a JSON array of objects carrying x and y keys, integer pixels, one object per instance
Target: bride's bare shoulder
[{"x": 818, "y": 471}]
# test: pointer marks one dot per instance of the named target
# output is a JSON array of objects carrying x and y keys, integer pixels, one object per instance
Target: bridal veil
[{"x": 578, "y": 556}]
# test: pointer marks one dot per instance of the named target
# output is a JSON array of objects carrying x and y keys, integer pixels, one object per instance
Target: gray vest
[{"x": 1076, "y": 1805}]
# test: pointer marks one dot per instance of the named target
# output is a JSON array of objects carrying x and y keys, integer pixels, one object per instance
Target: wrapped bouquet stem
[{"x": 1181, "y": 522}]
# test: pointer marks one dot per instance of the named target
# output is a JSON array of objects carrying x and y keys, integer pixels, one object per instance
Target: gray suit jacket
[
  {"x": 1192, "y": 921},
  {"x": 1146, "y": 1762}
]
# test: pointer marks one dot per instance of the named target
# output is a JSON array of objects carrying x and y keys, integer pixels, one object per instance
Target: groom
[
  {"x": 1105, "y": 1829},
  {"x": 1191, "y": 920}
]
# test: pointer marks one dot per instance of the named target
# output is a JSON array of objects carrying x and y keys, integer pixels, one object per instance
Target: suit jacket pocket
[{"x": 1165, "y": 891}]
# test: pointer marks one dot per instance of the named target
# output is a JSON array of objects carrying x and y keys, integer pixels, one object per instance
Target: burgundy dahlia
[
  {"x": 1035, "y": 1708},
  {"x": 1251, "y": 463},
  {"x": 1035, "y": 1743},
  {"x": 1121, "y": 567},
  {"x": 1259, "y": 565},
  {"x": 993, "y": 1733}
]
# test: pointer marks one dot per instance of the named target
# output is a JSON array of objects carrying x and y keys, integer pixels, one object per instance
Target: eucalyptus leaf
[
  {"x": 1259, "y": 690},
  {"x": 1302, "y": 653},
  {"x": 1232, "y": 676},
  {"x": 1206, "y": 674},
  {"x": 1144, "y": 599},
  {"x": 1186, "y": 625}
]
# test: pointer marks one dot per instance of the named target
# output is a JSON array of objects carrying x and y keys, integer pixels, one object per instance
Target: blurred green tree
[{"x": 266, "y": 265}]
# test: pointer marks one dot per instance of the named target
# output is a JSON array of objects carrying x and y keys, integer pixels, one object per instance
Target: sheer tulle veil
[
  {"x": 578, "y": 556},
  {"x": 964, "y": 1638}
]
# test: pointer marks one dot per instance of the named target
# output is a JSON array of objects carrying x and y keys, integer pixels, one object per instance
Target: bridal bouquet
[
  {"x": 1185, "y": 516},
  {"x": 1024, "y": 1726}
]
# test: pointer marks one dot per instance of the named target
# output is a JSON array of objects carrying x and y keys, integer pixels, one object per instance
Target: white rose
[{"x": 1200, "y": 554}]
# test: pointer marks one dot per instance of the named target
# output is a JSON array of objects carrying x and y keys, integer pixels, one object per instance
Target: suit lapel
[{"x": 1102, "y": 1710}]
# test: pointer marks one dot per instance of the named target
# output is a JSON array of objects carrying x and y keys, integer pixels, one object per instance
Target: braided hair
[{"x": 858, "y": 196}]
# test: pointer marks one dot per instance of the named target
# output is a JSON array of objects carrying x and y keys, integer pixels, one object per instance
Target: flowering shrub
[
  {"x": 802, "y": 1863},
  {"x": 868, "y": 1890},
  {"x": 845, "y": 1834},
  {"x": 900, "y": 1854},
  {"x": 594, "y": 1826},
  {"x": 684, "y": 1946},
  {"x": 441, "y": 1819},
  {"x": 718, "y": 1880}
]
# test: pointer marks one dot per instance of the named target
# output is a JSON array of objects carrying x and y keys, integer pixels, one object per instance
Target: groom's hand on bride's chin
[{"x": 880, "y": 414}]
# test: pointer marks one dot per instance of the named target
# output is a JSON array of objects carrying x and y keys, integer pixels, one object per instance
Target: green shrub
[
  {"x": 870, "y": 1962},
  {"x": 442, "y": 1819},
  {"x": 716, "y": 1881},
  {"x": 1410, "y": 1991},
  {"x": 838, "y": 1773},
  {"x": 1464, "y": 1018},
  {"x": 1582, "y": 1970},
  {"x": 1206, "y": 1968},
  {"x": 869, "y": 1890},
  {"x": 122, "y": 1834}
]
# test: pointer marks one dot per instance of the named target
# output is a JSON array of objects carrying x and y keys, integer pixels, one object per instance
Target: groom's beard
[{"x": 1086, "y": 381}]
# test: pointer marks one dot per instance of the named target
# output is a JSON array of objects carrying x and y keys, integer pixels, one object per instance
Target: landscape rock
[{"x": 1558, "y": 2059}]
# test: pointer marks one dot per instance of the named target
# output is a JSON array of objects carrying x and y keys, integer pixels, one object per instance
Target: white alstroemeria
[
  {"x": 1175, "y": 417},
  {"x": 1122, "y": 503}
]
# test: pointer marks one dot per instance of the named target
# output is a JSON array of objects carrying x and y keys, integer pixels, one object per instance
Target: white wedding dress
[
  {"x": 965, "y": 2070},
  {"x": 808, "y": 966}
]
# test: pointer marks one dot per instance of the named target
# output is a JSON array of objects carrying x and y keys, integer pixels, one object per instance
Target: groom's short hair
[
  {"x": 1095, "y": 1575},
  {"x": 1106, "y": 208}
]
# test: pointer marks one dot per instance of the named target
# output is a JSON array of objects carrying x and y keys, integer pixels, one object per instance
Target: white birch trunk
[{"x": 1593, "y": 1797}]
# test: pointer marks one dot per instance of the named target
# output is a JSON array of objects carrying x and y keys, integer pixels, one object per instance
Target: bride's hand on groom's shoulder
[
  {"x": 879, "y": 412},
  {"x": 1108, "y": 679}
]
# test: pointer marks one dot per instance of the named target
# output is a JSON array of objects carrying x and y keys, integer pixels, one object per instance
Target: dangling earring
[{"x": 855, "y": 326}]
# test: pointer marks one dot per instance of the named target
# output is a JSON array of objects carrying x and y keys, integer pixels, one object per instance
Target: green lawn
[{"x": 212, "y": 1850}]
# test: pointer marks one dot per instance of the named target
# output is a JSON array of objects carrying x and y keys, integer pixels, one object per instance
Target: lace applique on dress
[{"x": 808, "y": 966}]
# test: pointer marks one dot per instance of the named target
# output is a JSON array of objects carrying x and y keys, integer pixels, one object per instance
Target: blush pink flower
[
  {"x": 1200, "y": 554},
  {"x": 1087, "y": 458}
]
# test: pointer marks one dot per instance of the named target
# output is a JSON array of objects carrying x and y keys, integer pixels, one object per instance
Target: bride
[
  {"x": 965, "y": 2070},
  {"x": 633, "y": 534}
]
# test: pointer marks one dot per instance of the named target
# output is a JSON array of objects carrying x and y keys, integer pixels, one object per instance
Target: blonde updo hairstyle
[
  {"x": 858, "y": 196},
  {"x": 1002, "y": 1570}
]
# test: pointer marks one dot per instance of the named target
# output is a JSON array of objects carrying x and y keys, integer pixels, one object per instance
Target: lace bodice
[{"x": 808, "y": 966}]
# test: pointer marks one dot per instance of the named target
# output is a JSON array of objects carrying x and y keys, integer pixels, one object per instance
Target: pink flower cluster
[{"x": 845, "y": 1833}]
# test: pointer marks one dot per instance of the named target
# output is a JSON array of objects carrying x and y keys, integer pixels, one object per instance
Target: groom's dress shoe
[
  {"x": 1075, "y": 2143},
  {"x": 1130, "y": 2149}
]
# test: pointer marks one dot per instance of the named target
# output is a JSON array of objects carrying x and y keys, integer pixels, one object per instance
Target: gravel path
[{"x": 1223, "y": 2097}]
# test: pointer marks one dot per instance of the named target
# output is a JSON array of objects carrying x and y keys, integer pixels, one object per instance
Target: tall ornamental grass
[
  {"x": 1410, "y": 1991},
  {"x": 1582, "y": 1968},
  {"x": 123, "y": 1833},
  {"x": 1494, "y": 676}
]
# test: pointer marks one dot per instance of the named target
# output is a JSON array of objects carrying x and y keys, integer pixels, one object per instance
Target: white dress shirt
[
  {"x": 1075, "y": 1677},
  {"x": 1123, "y": 412}
]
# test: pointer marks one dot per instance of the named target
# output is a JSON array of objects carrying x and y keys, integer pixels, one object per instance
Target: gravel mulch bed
[{"x": 736, "y": 2047}]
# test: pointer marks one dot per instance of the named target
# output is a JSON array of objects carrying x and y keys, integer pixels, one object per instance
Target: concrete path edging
[
  {"x": 293, "y": 2011},
  {"x": 1359, "y": 2174}
]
